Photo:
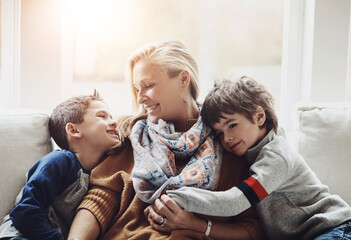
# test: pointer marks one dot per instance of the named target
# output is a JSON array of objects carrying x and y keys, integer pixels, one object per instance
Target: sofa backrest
[
  {"x": 24, "y": 139},
  {"x": 322, "y": 136},
  {"x": 324, "y": 140}
]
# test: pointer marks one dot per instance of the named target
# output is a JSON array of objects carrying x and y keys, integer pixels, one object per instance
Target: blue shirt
[{"x": 46, "y": 205}]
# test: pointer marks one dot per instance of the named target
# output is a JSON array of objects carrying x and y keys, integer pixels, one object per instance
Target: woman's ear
[
  {"x": 184, "y": 79},
  {"x": 260, "y": 116},
  {"x": 72, "y": 130}
]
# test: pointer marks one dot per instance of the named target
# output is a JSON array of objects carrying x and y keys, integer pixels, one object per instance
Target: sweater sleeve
[
  {"x": 222, "y": 203},
  {"x": 107, "y": 182},
  {"x": 269, "y": 172},
  {"x": 46, "y": 180}
]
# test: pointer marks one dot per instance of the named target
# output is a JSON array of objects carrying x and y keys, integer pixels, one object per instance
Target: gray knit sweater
[{"x": 290, "y": 200}]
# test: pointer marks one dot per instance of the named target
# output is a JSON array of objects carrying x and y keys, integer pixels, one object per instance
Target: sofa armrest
[
  {"x": 323, "y": 138},
  {"x": 24, "y": 139}
]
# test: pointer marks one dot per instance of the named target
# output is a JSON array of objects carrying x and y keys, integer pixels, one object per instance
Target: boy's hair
[
  {"x": 242, "y": 96},
  {"x": 69, "y": 111}
]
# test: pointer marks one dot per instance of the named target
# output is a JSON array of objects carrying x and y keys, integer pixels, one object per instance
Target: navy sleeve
[{"x": 46, "y": 179}]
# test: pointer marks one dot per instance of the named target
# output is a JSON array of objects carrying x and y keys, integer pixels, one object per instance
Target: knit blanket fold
[{"x": 156, "y": 147}]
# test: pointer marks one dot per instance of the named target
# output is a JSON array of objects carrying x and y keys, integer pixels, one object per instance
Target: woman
[{"x": 164, "y": 80}]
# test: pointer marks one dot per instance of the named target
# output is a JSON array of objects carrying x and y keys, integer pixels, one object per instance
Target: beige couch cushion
[
  {"x": 24, "y": 139},
  {"x": 324, "y": 140}
]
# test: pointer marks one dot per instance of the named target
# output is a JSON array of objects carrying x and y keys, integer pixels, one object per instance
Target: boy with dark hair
[
  {"x": 85, "y": 131},
  {"x": 290, "y": 200}
]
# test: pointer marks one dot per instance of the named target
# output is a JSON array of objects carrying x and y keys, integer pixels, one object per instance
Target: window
[
  {"x": 0, "y": 39},
  {"x": 227, "y": 38},
  {"x": 9, "y": 50}
]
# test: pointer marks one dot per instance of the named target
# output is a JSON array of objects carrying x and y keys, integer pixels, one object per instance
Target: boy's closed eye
[
  {"x": 104, "y": 115},
  {"x": 101, "y": 115},
  {"x": 219, "y": 134}
]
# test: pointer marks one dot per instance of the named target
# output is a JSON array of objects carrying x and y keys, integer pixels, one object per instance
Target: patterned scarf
[{"x": 156, "y": 147}]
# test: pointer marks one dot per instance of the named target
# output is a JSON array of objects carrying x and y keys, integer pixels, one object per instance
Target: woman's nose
[{"x": 141, "y": 97}]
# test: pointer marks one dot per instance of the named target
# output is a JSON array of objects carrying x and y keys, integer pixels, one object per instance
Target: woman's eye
[
  {"x": 233, "y": 125},
  {"x": 149, "y": 86}
]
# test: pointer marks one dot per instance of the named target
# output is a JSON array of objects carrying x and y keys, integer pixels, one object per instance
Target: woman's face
[{"x": 158, "y": 93}]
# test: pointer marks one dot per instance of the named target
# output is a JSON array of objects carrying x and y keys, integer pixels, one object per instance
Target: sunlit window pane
[
  {"x": 227, "y": 38},
  {"x": 0, "y": 37}
]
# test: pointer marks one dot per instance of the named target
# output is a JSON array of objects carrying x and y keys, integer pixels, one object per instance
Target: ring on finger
[{"x": 163, "y": 221}]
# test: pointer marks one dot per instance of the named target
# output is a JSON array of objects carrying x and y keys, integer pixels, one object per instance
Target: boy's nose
[
  {"x": 113, "y": 123},
  {"x": 228, "y": 139}
]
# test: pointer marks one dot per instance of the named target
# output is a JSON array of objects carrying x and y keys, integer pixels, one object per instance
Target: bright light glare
[
  {"x": 97, "y": 15},
  {"x": 224, "y": 38},
  {"x": 91, "y": 21}
]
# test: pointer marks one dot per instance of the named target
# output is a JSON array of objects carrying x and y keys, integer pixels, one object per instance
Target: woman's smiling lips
[{"x": 150, "y": 108}]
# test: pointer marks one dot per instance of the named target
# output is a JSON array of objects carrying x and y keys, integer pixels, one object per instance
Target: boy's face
[
  {"x": 237, "y": 133},
  {"x": 98, "y": 129}
]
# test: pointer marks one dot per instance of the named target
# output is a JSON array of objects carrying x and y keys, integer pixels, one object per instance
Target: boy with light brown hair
[{"x": 84, "y": 130}]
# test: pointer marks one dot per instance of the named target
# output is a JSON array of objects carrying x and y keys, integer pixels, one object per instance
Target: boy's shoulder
[
  {"x": 58, "y": 156},
  {"x": 56, "y": 161},
  {"x": 279, "y": 145},
  {"x": 276, "y": 139}
]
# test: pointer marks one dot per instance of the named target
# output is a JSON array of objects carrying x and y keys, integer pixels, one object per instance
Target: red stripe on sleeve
[{"x": 257, "y": 187}]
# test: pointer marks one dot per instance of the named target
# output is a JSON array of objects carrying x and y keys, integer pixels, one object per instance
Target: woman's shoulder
[
  {"x": 120, "y": 159},
  {"x": 234, "y": 170}
]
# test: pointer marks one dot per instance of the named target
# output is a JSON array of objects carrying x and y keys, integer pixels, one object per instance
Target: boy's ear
[
  {"x": 72, "y": 130},
  {"x": 260, "y": 116}
]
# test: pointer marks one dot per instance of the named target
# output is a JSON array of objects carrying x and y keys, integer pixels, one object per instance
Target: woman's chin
[{"x": 153, "y": 118}]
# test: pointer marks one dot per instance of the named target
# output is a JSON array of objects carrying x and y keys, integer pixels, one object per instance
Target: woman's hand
[
  {"x": 165, "y": 215},
  {"x": 177, "y": 218}
]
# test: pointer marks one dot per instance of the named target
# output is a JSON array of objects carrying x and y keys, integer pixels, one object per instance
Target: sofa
[
  {"x": 321, "y": 134},
  {"x": 24, "y": 139}
]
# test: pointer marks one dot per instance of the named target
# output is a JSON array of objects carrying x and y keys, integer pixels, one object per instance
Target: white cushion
[
  {"x": 324, "y": 140},
  {"x": 24, "y": 139}
]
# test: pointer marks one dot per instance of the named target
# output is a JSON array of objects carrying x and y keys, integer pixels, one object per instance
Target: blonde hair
[{"x": 170, "y": 57}]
